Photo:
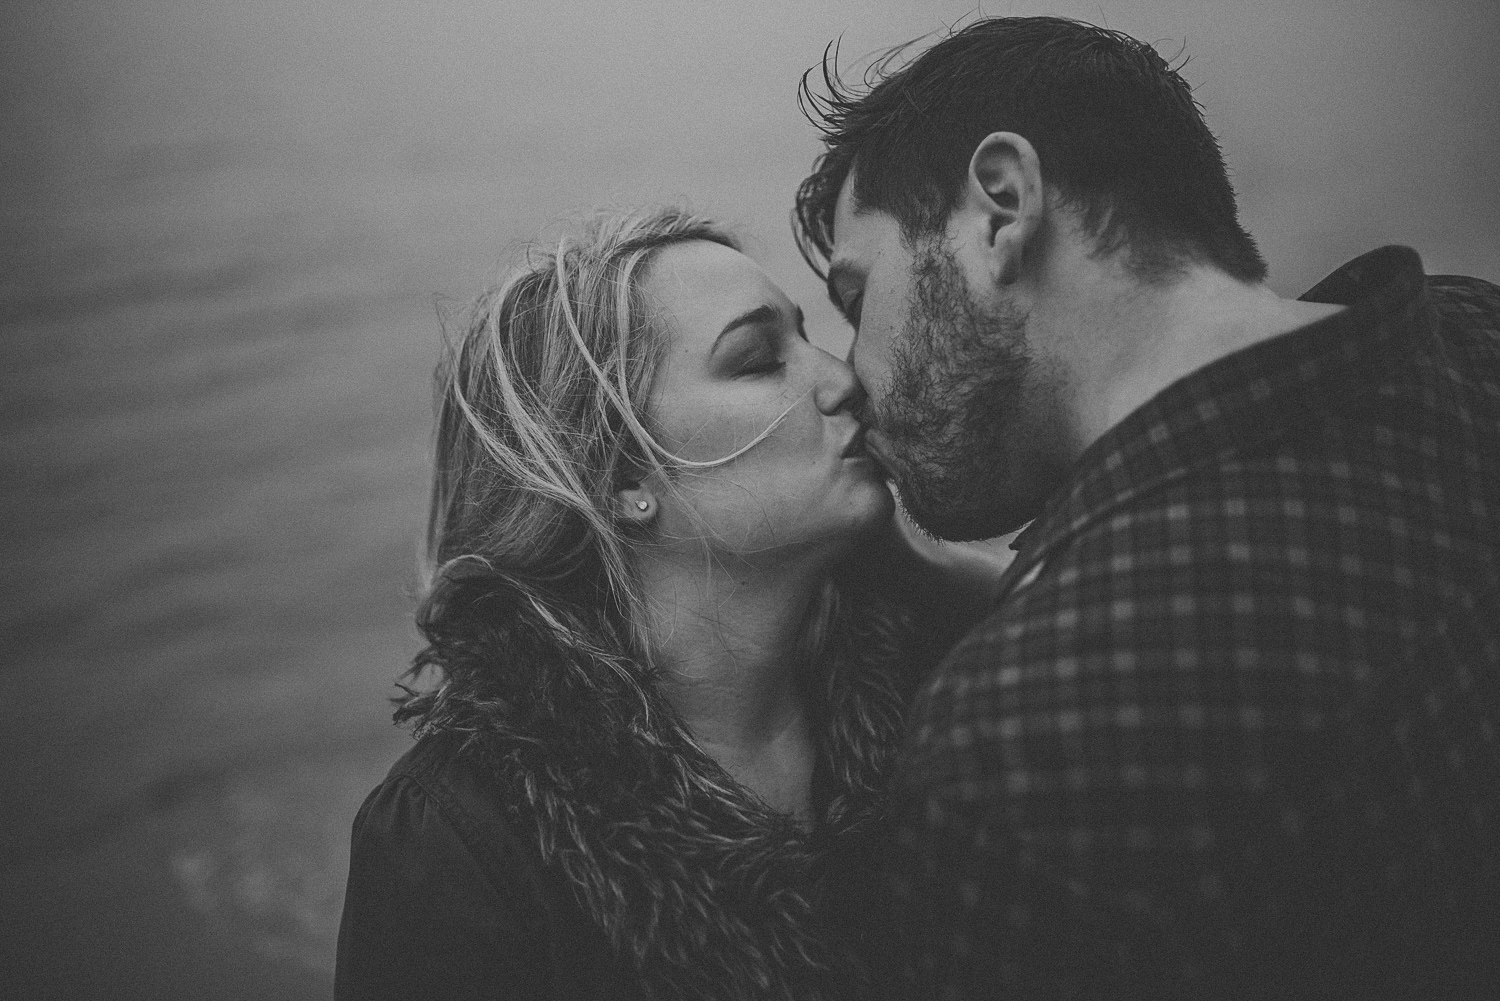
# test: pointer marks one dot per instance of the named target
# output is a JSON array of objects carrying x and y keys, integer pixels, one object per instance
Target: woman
[{"x": 666, "y": 682}]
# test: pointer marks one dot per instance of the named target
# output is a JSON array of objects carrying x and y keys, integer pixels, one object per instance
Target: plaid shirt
[{"x": 1234, "y": 727}]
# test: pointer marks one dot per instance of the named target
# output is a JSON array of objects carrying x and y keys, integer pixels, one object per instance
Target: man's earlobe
[{"x": 1005, "y": 188}]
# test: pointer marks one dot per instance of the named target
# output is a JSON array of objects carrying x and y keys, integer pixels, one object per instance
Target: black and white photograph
[{"x": 862, "y": 501}]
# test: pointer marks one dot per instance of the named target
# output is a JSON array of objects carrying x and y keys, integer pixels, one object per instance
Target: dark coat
[
  {"x": 556, "y": 834},
  {"x": 444, "y": 901}
]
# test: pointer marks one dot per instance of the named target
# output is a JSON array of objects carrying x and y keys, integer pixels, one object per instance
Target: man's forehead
[
  {"x": 845, "y": 204},
  {"x": 857, "y": 229},
  {"x": 847, "y": 213}
]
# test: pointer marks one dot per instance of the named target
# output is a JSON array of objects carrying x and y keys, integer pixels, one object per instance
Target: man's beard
[{"x": 961, "y": 408}]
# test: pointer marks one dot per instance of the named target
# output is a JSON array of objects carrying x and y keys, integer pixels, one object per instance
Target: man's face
[{"x": 962, "y": 415}]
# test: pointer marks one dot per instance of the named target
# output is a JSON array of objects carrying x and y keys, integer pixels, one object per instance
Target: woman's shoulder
[
  {"x": 439, "y": 899},
  {"x": 446, "y": 897},
  {"x": 436, "y": 792}
]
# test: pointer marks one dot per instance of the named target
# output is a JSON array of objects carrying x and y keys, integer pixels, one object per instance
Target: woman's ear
[
  {"x": 1006, "y": 200},
  {"x": 637, "y": 503}
]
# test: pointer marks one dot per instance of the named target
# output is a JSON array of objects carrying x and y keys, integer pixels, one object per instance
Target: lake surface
[
  {"x": 215, "y": 437},
  {"x": 227, "y": 233}
]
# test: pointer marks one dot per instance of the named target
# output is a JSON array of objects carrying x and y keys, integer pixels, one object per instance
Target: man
[{"x": 1233, "y": 727}]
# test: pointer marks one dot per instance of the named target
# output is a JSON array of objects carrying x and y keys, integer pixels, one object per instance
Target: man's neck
[
  {"x": 1123, "y": 341},
  {"x": 727, "y": 638}
]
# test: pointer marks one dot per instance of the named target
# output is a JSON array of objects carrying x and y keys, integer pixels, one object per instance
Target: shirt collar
[{"x": 1251, "y": 396}]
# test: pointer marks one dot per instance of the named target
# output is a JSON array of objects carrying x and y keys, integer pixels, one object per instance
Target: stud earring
[{"x": 643, "y": 505}]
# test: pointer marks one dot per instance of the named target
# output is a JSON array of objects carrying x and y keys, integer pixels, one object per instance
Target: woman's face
[{"x": 736, "y": 358}]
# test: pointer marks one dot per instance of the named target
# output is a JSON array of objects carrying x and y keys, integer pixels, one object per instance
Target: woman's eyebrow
[{"x": 760, "y": 314}]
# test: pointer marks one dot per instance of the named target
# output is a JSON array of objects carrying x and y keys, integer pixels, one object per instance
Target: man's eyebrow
[{"x": 763, "y": 313}]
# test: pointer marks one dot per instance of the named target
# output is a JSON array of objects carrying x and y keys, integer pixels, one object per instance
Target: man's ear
[
  {"x": 1005, "y": 201},
  {"x": 636, "y": 503}
]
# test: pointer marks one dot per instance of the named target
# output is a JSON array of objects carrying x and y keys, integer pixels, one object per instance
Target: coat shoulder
[{"x": 444, "y": 898}]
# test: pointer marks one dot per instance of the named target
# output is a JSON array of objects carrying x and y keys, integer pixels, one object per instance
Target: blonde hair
[
  {"x": 535, "y": 625},
  {"x": 541, "y": 420}
]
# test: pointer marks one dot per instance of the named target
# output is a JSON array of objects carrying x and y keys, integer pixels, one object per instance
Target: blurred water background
[{"x": 224, "y": 228}]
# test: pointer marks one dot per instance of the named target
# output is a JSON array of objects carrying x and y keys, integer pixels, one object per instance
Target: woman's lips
[{"x": 871, "y": 446}]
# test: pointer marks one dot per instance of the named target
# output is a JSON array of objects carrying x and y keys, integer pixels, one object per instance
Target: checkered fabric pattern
[{"x": 1233, "y": 729}]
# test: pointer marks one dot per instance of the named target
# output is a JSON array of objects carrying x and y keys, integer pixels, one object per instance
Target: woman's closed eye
[
  {"x": 762, "y": 361},
  {"x": 758, "y": 345},
  {"x": 756, "y": 350}
]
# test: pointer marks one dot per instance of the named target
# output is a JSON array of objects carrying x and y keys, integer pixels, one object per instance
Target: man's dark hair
[{"x": 1116, "y": 129}]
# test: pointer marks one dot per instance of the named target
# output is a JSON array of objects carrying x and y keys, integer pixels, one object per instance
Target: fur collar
[{"x": 705, "y": 891}]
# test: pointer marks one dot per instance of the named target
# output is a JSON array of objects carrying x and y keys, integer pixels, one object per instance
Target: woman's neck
[{"x": 728, "y": 641}]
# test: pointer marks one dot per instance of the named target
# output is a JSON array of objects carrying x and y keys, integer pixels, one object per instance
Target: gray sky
[{"x": 1347, "y": 124}]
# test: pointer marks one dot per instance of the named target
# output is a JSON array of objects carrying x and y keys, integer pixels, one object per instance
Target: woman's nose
[{"x": 838, "y": 387}]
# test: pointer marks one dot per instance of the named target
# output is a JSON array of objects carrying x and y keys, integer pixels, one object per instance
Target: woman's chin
[
  {"x": 873, "y": 505},
  {"x": 867, "y": 510}
]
